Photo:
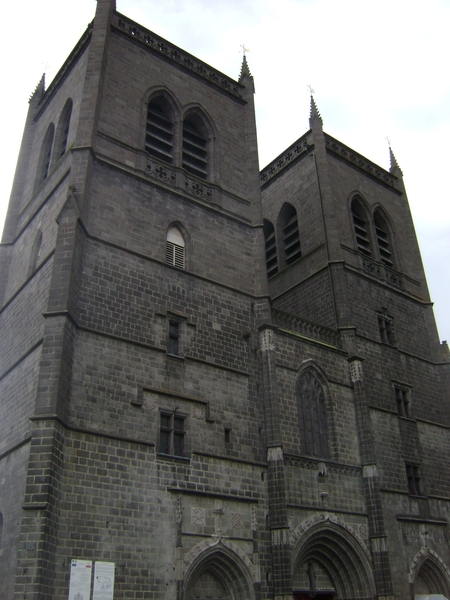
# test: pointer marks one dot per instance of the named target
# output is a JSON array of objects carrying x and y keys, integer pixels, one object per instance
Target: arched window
[
  {"x": 195, "y": 147},
  {"x": 45, "y": 156},
  {"x": 175, "y": 248},
  {"x": 361, "y": 227},
  {"x": 62, "y": 132},
  {"x": 159, "y": 131},
  {"x": 383, "y": 238},
  {"x": 312, "y": 416},
  {"x": 289, "y": 234},
  {"x": 35, "y": 253},
  {"x": 271, "y": 248}
]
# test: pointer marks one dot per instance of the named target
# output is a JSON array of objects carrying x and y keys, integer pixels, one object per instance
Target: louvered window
[
  {"x": 361, "y": 229},
  {"x": 291, "y": 239},
  {"x": 383, "y": 241},
  {"x": 175, "y": 248},
  {"x": 45, "y": 156},
  {"x": 271, "y": 249},
  {"x": 195, "y": 152},
  {"x": 62, "y": 135},
  {"x": 159, "y": 132},
  {"x": 312, "y": 416}
]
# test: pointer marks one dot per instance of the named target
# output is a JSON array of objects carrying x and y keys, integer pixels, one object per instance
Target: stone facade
[{"x": 226, "y": 383}]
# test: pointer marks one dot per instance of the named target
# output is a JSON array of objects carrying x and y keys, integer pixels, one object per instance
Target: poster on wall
[
  {"x": 103, "y": 581},
  {"x": 80, "y": 579}
]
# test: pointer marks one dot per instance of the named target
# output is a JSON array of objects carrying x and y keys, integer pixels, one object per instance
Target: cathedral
[{"x": 217, "y": 383}]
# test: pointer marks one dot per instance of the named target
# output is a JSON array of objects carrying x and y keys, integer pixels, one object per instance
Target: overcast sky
[{"x": 378, "y": 70}]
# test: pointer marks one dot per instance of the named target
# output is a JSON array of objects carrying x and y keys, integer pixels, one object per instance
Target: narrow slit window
[
  {"x": 413, "y": 476},
  {"x": 62, "y": 135},
  {"x": 386, "y": 328},
  {"x": 159, "y": 132},
  {"x": 174, "y": 338},
  {"x": 195, "y": 149},
  {"x": 402, "y": 396}
]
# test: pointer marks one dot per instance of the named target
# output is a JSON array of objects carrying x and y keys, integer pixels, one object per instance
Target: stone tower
[{"x": 214, "y": 382}]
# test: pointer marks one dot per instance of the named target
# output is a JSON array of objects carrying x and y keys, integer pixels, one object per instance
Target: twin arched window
[
  {"x": 288, "y": 239},
  {"x": 364, "y": 236},
  {"x": 160, "y": 135},
  {"x": 54, "y": 145}
]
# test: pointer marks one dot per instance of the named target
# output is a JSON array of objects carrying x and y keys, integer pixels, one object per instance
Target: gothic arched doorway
[{"x": 328, "y": 563}]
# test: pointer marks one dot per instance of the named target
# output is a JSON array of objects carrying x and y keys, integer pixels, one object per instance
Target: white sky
[{"x": 378, "y": 69}]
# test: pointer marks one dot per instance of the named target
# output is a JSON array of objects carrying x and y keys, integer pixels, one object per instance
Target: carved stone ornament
[
  {"x": 356, "y": 371},
  {"x": 237, "y": 521},
  {"x": 198, "y": 516},
  {"x": 266, "y": 340},
  {"x": 199, "y": 412}
]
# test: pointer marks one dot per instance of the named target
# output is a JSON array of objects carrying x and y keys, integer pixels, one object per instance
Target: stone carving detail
[
  {"x": 197, "y": 189},
  {"x": 254, "y": 520},
  {"x": 297, "y": 149},
  {"x": 307, "y": 328},
  {"x": 198, "y": 516},
  {"x": 160, "y": 172},
  {"x": 363, "y": 531},
  {"x": 266, "y": 340},
  {"x": 322, "y": 518},
  {"x": 379, "y": 545},
  {"x": 199, "y": 411},
  {"x": 274, "y": 454},
  {"x": 304, "y": 463},
  {"x": 153, "y": 41},
  {"x": 356, "y": 159},
  {"x": 280, "y": 537},
  {"x": 179, "y": 510},
  {"x": 198, "y": 549},
  {"x": 237, "y": 521},
  {"x": 356, "y": 371}
]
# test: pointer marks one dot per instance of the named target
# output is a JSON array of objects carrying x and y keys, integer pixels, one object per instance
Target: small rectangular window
[
  {"x": 172, "y": 433},
  {"x": 386, "y": 327},
  {"x": 227, "y": 435},
  {"x": 402, "y": 396},
  {"x": 413, "y": 476},
  {"x": 174, "y": 338}
]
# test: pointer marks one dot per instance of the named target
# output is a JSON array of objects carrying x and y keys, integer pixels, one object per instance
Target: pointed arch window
[
  {"x": 195, "y": 147},
  {"x": 62, "y": 134},
  {"x": 290, "y": 234},
  {"x": 312, "y": 416},
  {"x": 45, "y": 156},
  {"x": 271, "y": 248},
  {"x": 361, "y": 228},
  {"x": 159, "y": 131},
  {"x": 175, "y": 248},
  {"x": 383, "y": 238},
  {"x": 35, "y": 253}
]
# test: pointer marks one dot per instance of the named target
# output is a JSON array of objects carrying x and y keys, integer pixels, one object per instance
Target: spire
[
  {"x": 394, "y": 168},
  {"x": 245, "y": 73},
  {"x": 314, "y": 114},
  {"x": 39, "y": 89}
]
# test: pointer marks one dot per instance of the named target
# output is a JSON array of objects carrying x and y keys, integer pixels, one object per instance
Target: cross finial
[
  {"x": 388, "y": 141},
  {"x": 244, "y": 49},
  {"x": 310, "y": 90}
]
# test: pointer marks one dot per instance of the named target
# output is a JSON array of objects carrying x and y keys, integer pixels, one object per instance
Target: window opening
[
  {"x": 159, "y": 133},
  {"x": 383, "y": 240},
  {"x": 227, "y": 435},
  {"x": 291, "y": 238},
  {"x": 172, "y": 432},
  {"x": 413, "y": 476},
  {"x": 386, "y": 327},
  {"x": 402, "y": 397},
  {"x": 175, "y": 246},
  {"x": 271, "y": 249},
  {"x": 174, "y": 338},
  {"x": 361, "y": 229},
  {"x": 64, "y": 127},
  {"x": 312, "y": 416},
  {"x": 195, "y": 152}
]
